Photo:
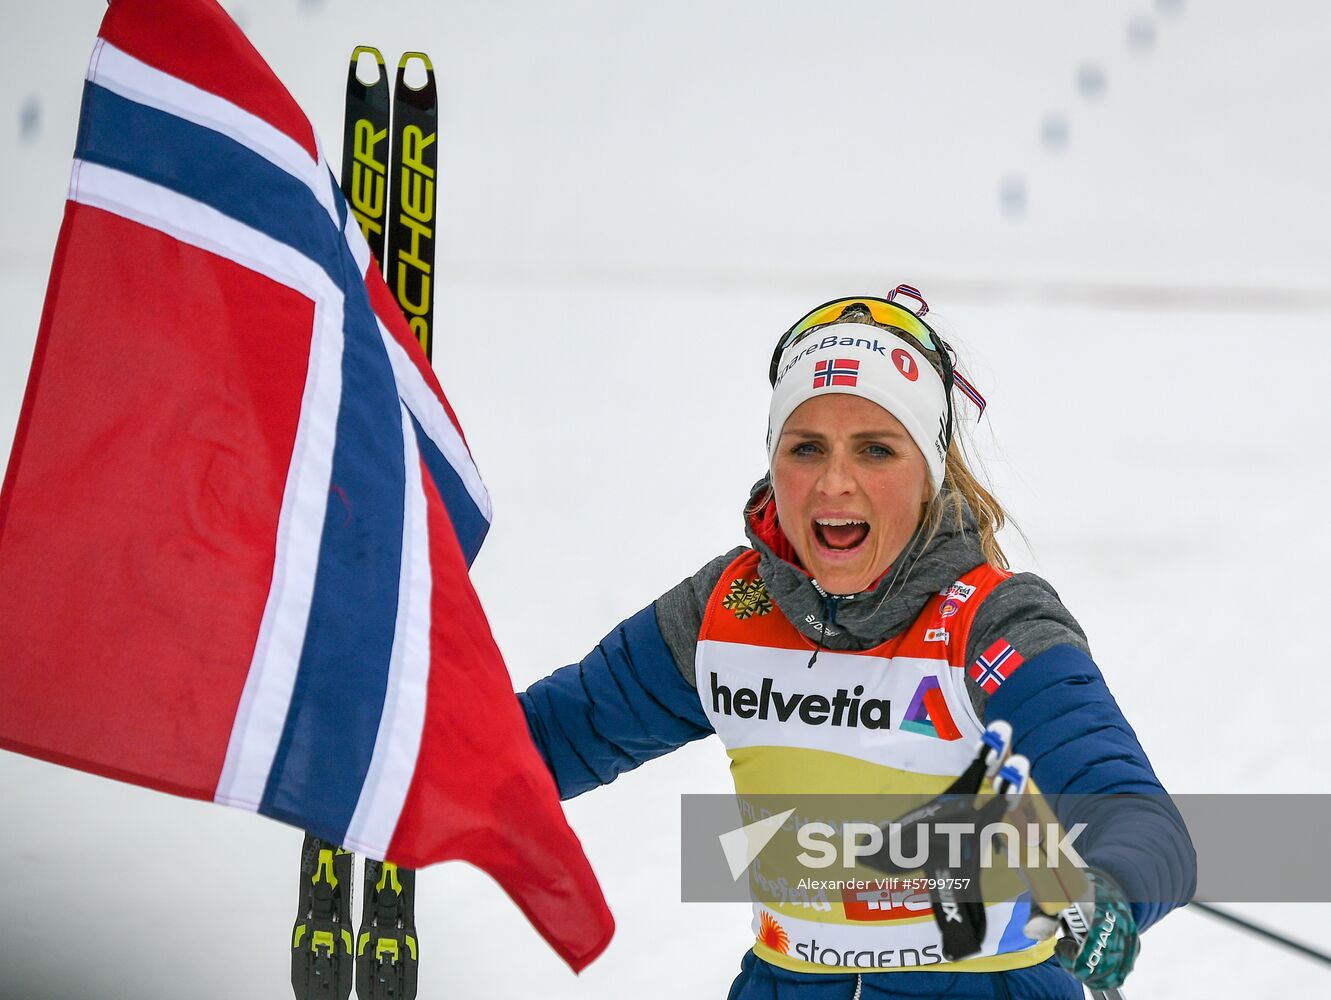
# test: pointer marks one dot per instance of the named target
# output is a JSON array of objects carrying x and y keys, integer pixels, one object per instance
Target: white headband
[{"x": 862, "y": 360}]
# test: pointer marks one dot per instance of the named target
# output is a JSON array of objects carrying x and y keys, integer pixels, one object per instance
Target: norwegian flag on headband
[
  {"x": 842, "y": 371},
  {"x": 238, "y": 515}
]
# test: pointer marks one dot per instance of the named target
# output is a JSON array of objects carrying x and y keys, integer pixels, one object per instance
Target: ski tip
[
  {"x": 405, "y": 61},
  {"x": 408, "y": 56},
  {"x": 362, "y": 72}
]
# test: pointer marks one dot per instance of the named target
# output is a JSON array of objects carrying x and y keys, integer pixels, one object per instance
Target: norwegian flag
[
  {"x": 238, "y": 515},
  {"x": 842, "y": 371},
  {"x": 995, "y": 665}
]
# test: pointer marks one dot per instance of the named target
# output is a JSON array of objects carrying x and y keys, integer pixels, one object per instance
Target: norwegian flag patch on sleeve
[{"x": 995, "y": 665}]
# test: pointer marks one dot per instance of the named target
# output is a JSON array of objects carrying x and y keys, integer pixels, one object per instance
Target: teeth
[{"x": 837, "y": 522}]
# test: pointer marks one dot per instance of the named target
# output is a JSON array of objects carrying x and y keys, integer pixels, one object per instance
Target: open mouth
[{"x": 840, "y": 533}]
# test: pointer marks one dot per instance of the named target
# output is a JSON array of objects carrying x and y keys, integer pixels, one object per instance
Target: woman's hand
[{"x": 1106, "y": 957}]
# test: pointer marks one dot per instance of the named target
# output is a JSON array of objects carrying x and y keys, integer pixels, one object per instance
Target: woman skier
[{"x": 873, "y": 580}]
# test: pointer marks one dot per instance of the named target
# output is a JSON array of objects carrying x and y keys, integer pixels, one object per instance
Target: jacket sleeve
[
  {"x": 1084, "y": 757},
  {"x": 626, "y": 702}
]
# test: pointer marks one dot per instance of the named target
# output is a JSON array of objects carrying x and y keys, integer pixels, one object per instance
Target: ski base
[
  {"x": 321, "y": 941},
  {"x": 386, "y": 950}
]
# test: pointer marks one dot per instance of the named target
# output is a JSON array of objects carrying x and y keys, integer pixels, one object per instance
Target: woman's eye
[
  {"x": 804, "y": 448},
  {"x": 878, "y": 451}
]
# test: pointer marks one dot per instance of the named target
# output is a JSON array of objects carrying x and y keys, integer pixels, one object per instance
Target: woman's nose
[{"x": 836, "y": 478}]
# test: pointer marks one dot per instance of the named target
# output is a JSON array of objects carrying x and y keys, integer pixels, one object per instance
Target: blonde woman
[{"x": 873, "y": 576}]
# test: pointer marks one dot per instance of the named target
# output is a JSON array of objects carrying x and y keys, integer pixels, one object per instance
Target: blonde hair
[{"x": 962, "y": 489}]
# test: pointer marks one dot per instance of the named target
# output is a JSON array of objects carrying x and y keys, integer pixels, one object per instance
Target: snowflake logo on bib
[{"x": 747, "y": 598}]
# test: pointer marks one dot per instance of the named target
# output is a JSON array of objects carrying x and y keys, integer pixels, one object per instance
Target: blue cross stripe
[{"x": 213, "y": 169}]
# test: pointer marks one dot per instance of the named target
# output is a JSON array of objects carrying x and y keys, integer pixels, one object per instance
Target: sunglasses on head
[
  {"x": 885, "y": 311},
  {"x": 888, "y": 313}
]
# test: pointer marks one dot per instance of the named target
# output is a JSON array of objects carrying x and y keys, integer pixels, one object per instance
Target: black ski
[
  {"x": 386, "y": 952},
  {"x": 411, "y": 223},
  {"x": 321, "y": 942},
  {"x": 365, "y": 150}
]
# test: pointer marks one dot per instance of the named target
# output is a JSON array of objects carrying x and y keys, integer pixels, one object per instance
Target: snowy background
[{"x": 1119, "y": 209}]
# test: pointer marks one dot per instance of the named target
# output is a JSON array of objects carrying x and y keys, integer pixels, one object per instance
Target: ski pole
[
  {"x": 1303, "y": 949},
  {"x": 1012, "y": 782},
  {"x": 1077, "y": 924}
]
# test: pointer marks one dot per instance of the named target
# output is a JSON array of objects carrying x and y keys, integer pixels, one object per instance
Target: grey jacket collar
[{"x": 873, "y": 616}]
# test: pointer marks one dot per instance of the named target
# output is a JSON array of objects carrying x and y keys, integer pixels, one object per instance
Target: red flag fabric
[{"x": 237, "y": 520}]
